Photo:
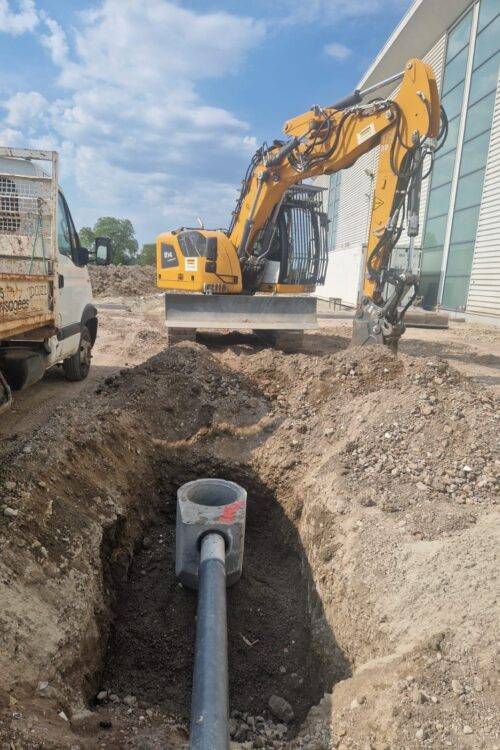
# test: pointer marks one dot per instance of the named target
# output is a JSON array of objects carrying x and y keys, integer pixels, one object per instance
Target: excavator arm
[{"x": 325, "y": 140}]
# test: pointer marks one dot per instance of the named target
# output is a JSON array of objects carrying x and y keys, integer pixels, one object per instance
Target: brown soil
[
  {"x": 127, "y": 281},
  {"x": 370, "y": 549}
]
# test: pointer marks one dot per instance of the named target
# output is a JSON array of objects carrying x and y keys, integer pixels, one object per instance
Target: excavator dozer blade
[{"x": 240, "y": 312}]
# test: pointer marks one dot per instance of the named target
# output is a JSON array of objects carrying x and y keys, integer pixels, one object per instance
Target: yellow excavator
[{"x": 261, "y": 273}]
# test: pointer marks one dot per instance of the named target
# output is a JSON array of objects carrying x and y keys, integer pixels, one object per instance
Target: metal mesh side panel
[
  {"x": 26, "y": 206},
  {"x": 305, "y": 225}
]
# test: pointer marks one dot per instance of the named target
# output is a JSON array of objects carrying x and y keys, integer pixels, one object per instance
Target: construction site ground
[{"x": 368, "y": 601}]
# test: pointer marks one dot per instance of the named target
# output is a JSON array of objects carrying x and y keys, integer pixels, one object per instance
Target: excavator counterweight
[{"x": 262, "y": 272}]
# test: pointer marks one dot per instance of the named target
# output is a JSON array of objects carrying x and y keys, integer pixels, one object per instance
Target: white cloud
[
  {"x": 55, "y": 41},
  {"x": 17, "y": 21},
  {"x": 337, "y": 51},
  {"x": 331, "y": 11},
  {"x": 137, "y": 137},
  {"x": 137, "y": 132},
  {"x": 25, "y": 109},
  {"x": 156, "y": 43},
  {"x": 11, "y": 137}
]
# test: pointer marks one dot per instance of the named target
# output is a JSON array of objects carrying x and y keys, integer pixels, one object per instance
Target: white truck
[{"x": 47, "y": 316}]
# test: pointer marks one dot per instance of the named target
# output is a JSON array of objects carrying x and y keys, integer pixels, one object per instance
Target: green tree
[
  {"x": 122, "y": 235},
  {"x": 148, "y": 254},
  {"x": 87, "y": 237}
]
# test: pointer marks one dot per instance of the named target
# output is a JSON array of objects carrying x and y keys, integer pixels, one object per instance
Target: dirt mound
[
  {"x": 123, "y": 281},
  {"x": 370, "y": 561}
]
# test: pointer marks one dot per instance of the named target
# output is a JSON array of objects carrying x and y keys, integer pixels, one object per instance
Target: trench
[{"x": 272, "y": 650}]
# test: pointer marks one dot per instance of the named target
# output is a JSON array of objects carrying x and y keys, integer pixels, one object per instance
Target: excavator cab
[{"x": 291, "y": 250}]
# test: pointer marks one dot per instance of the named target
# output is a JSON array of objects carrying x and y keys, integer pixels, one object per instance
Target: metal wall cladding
[{"x": 484, "y": 289}]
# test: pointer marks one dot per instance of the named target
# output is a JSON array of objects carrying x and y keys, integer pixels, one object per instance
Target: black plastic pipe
[{"x": 210, "y": 700}]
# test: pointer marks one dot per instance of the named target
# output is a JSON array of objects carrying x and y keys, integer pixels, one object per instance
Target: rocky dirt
[
  {"x": 117, "y": 281},
  {"x": 366, "y": 615}
]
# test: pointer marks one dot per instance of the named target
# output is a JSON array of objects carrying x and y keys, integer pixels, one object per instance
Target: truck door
[{"x": 74, "y": 284}]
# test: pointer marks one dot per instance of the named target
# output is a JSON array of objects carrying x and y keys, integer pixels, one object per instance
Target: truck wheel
[{"x": 77, "y": 366}]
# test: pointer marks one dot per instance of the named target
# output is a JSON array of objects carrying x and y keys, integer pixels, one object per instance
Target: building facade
[{"x": 459, "y": 242}]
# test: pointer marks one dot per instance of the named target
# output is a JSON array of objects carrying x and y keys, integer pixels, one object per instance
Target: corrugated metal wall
[
  {"x": 484, "y": 289},
  {"x": 355, "y": 198}
]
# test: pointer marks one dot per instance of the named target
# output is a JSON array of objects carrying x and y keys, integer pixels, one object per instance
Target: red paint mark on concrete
[{"x": 229, "y": 511}]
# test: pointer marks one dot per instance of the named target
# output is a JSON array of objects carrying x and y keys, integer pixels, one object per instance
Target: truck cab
[{"x": 47, "y": 315}]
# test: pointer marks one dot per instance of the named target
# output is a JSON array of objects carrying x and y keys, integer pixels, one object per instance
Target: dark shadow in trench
[{"x": 249, "y": 343}]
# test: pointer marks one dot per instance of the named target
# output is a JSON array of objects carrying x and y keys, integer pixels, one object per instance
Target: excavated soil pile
[
  {"x": 368, "y": 596},
  {"x": 129, "y": 281}
]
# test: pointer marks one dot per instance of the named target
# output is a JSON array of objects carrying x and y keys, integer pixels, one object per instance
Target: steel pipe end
[{"x": 203, "y": 506}]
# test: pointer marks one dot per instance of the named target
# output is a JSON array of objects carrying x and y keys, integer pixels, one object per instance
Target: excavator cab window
[{"x": 193, "y": 244}]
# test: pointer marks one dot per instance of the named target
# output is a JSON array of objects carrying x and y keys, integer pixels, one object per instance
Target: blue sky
[{"x": 156, "y": 107}]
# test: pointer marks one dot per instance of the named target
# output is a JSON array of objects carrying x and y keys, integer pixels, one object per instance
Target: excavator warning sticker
[{"x": 366, "y": 133}]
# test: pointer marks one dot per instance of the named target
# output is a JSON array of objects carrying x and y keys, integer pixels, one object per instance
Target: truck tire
[{"x": 77, "y": 366}]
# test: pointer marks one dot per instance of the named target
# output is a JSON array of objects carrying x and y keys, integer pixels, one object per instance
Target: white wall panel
[
  {"x": 343, "y": 276},
  {"x": 355, "y": 198},
  {"x": 484, "y": 289}
]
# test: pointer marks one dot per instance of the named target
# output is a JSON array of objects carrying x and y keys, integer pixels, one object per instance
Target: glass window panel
[
  {"x": 443, "y": 169},
  {"x": 484, "y": 79},
  {"x": 460, "y": 259},
  {"x": 452, "y": 102},
  {"x": 439, "y": 200},
  {"x": 469, "y": 190},
  {"x": 431, "y": 260},
  {"x": 455, "y": 292},
  {"x": 454, "y": 71},
  {"x": 459, "y": 37},
  {"x": 452, "y": 137},
  {"x": 474, "y": 153},
  {"x": 63, "y": 232},
  {"x": 487, "y": 42},
  {"x": 434, "y": 232},
  {"x": 465, "y": 225},
  {"x": 479, "y": 117},
  {"x": 489, "y": 9},
  {"x": 428, "y": 289}
]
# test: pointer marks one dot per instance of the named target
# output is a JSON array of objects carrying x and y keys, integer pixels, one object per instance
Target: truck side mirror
[
  {"x": 103, "y": 253},
  {"x": 83, "y": 256}
]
